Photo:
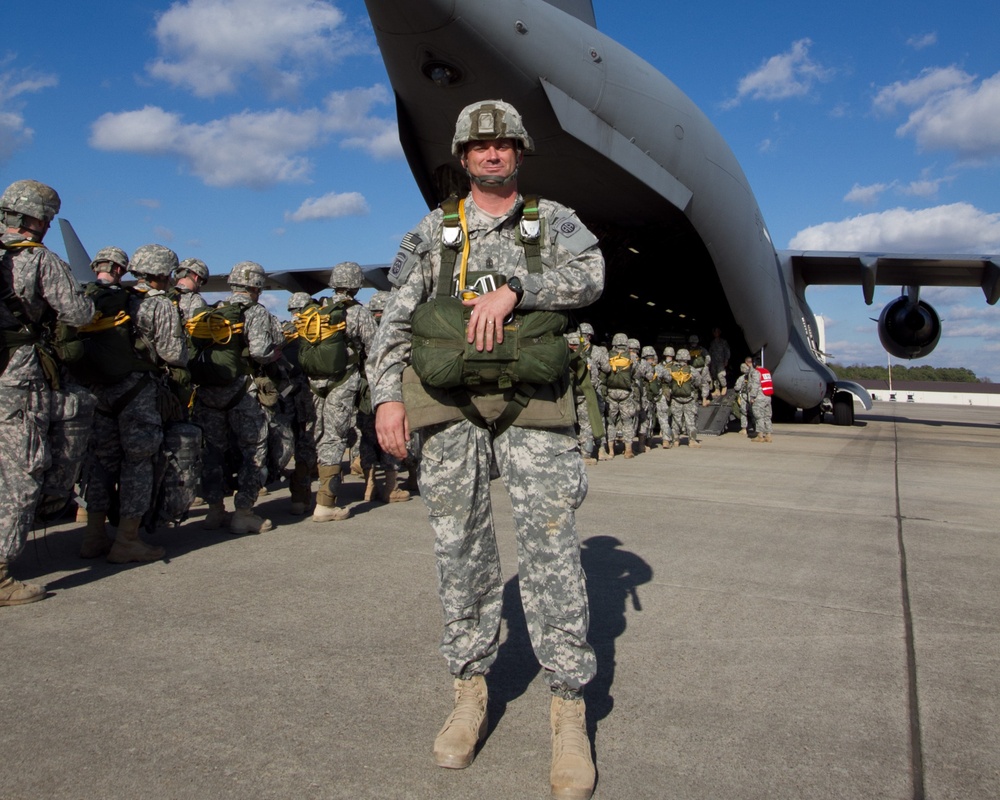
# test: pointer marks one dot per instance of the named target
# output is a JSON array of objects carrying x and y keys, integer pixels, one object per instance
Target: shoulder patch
[
  {"x": 573, "y": 234},
  {"x": 405, "y": 258}
]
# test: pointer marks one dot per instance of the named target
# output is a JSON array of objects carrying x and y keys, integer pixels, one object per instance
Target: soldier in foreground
[
  {"x": 34, "y": 283},
  {"x": 465, "y": 426}
]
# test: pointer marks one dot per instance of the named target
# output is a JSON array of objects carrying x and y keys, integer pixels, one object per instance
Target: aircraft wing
[{"x": 869, "y": 270}]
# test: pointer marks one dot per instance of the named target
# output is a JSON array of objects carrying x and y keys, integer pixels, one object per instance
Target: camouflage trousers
[
  {"x": 718, "y": 378},
  {"x": 585, "y": 431},
  {"x": 24, "y": 457},
  {"x": 684, "y": 418},
  {"x": 244, "y": 427},
  {"x": 70, "y": 429},
  {"x": 544, "y": 476},
  {"x": 761, "y": 408},
  {"x": 647, "y": 418},
  {"x": 123, "y": 448},
  {"x": 304, "y": 426},
  {"x": 334, "y": 423},
  {"x": 621, "y": 415},
  {"x": 663, "y": 415}
]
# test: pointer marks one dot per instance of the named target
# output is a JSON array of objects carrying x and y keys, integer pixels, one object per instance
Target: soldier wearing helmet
[
  {"x": 39, "y": 286},
  {"x": 625, "y": 395},
  {"x": 684, "y": 389},
  {"x": 231, "y": 405},
  {"x": 128, "y": 428},
  {"x": 598, "y": 367},
  {"x": 539, "y": 257},
  {"x": 109, "y": 265},
  {"x": 662, "y": 403},
  {"x": 700, "y": 361},
  {"x": 189, "y": 277},
  {"x": 336, "y": 389}
]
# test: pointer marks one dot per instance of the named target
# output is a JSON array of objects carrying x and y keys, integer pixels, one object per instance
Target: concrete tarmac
[{"x": 811, "y": 618}]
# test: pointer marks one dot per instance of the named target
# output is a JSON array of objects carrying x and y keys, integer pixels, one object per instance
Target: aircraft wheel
[{"x": 843, "y": 408}]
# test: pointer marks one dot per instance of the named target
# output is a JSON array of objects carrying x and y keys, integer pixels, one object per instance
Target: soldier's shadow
[{"x": 613, "y": 575}]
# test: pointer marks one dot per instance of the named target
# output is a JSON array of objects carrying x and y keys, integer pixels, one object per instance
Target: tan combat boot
[
  {"x": 629, "y": 452},
  {"x": 692, "y": 442},
  {"x": 96, "y": 542},
  {"x": 743, "y": 432},
  {"x": 390, "y": 492},
  {"x": 129, "y": 547},
  {"x": 15, "y": 593},
  {"x": 327, "y": 509},
  {"x": 455, "y": 745},
  {"x": 572, "y": 775},
  {"x": 245, "y": 521},
  {"x": 767, "y": 438},
  {"x": 371, "y": 486},
  {"x": 642, "y": 443},
  {"x": 216, "y": 516}
]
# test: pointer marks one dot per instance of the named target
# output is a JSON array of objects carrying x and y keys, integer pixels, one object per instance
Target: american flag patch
[{"x": 410, "y": 242}]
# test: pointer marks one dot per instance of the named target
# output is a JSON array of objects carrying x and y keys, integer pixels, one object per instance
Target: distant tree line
[{"x": 901, "y": 373}]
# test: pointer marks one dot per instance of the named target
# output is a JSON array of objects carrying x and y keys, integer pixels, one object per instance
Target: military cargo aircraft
[{"x": 686, "y": 244}]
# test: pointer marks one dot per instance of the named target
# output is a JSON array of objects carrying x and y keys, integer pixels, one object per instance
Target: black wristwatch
[{"x": 515, "y": 285}]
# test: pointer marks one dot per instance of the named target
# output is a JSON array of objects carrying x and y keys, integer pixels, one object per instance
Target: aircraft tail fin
[
  {"x": 583, "y": 10},
  {"x": 76, "y": 253}
]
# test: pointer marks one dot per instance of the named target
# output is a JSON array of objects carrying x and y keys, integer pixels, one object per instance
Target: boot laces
[
  {"x": 469, "y": 705},
  {"x": 570, "y": 729}
]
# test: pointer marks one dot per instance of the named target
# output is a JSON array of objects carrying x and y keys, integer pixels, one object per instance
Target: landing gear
[{"x": 843, "y": 408}]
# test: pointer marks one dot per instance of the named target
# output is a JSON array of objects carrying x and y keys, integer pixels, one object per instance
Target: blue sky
[{"x": 252, "y": 129}]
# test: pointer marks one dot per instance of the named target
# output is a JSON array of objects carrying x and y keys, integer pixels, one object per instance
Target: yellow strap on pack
[
  {"x": 680, "y": 378},
  {"x": 464, "y": 269},
  {"x": 101, "y": 323},
  {"x": 212, "y": 326},
  {"x": 619, "y": 362},
  {"x": 315, "y": 328}
]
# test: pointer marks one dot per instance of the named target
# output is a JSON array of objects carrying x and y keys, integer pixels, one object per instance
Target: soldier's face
[{"x": 497, "y": 158}]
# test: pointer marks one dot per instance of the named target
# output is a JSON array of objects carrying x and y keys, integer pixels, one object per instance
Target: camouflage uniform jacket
[
  {"x": 159, "y": 324},
  {"x": 43, "y": 283},
  {"x": 572, "y": 276},
  {"x": 188, "y": 303}
]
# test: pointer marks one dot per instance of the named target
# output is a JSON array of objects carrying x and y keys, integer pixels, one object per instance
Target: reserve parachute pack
[
  {"x": 620, "y": 376},
  {"x": 107, "y": 349},
  {"x": 219, "y": 353},
  {"x": 321, "y": 330},
  {"x": 681, "y": 382},
  {"x": 534, "y": 350}
]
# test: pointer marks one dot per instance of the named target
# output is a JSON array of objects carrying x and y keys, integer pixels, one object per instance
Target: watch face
[{"x": 515, "y": 285}]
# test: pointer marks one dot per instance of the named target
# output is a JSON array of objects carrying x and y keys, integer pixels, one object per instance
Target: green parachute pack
[
  {"x": 321, "y": 330},
  {"x": 620, "y": 376},
  {"x": 107, "y": 349},
  {"x": 218, "y": 353},
  {"x": 681, "y": 382}
]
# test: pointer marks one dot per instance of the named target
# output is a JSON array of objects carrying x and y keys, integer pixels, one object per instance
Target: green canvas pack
[
  {"x": 105, "y": 350},
  {"x": 620, "y": 376},
  {"x": 219, "y": 353},
  {"x": 322, "y": 339},
  {"x": 681, "y": 383},
  {"x": 533, "y": 348}
]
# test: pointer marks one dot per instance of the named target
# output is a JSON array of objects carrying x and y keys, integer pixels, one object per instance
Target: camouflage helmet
[
  {"x": 619, "y": 340},
  {"x": 693, "y": 339},
  {"x": 346, "y": 275},
  {"x": 31, "y": 198},
  {"x": 247, "y": 273},
  {"x": 648, "y": 351},
  {"x": 488, "y": 120},
  {"x": 668, "y": 352},
  {"x": 378, "y": 300},
  {"x": 195, "y": 265},
  {"x": 298, "y": 301},
  {"x": 572, "y": 338},
  {"x": 586, "y": 329},
  {"x": 633, "y": 344},
  {"x": 114, "y": 255},
  {"x": 683, "y": 355},
  {"x": 153, "y": 259}
]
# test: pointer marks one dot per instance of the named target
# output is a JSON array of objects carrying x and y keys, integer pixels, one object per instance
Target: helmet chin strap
[{"x": 489, "y": 181}]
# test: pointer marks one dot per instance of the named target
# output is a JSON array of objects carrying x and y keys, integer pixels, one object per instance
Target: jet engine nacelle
[{"x": 909, "y": 328}]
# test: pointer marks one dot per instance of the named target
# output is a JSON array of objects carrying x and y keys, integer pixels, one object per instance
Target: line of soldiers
[
  {"x": 138, "y": 398},
  {"x": 636, "y": 391}
]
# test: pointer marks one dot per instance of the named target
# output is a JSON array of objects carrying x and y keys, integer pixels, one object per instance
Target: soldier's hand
[
  {"x": 392, "y": 428},
  {"x": 488, "y": 313}
]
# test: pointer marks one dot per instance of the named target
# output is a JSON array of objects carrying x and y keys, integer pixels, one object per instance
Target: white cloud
[
  {"x": 14, "y": 130},
  {"x": 922, "y": 41},
  {"x": 207, "y": 46},
  {"x": 790, "y": 74},
  {"x": 330, "y": 206},
  {"x": 957, "y": 228},
  {"x": 255, "y": 149},
  {"x": 865, "y": 195},
  {"x": 950, "y": 111}
]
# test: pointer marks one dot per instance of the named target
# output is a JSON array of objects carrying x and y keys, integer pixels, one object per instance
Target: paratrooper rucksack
[{"x": 219, "y": 353}]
